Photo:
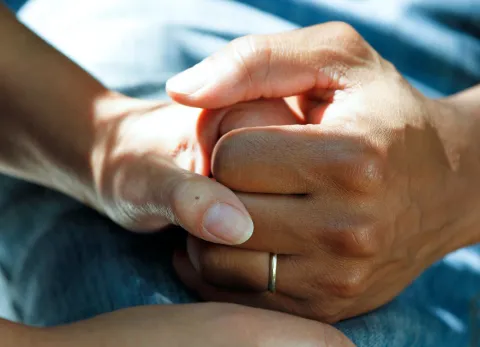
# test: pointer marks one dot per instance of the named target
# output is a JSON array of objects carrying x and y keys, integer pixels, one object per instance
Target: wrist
[
  {"x": 76, "y": 167},
  {"x": 457, "y": 126},
  {"x": 47, "y": 113}
]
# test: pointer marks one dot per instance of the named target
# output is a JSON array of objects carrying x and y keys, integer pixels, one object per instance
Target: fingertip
[
  {"x": 227, "y": 224},
  {"x": 191, "y": 87},
  {"x": 176, "y": 96},
  {"x": 213, "y": 83},
  {"x": 184, "y": 269},
  {"x": 190, "y": 81},
  {"x": 210, "y": 211},
  {"x": 207, "y": 98}
]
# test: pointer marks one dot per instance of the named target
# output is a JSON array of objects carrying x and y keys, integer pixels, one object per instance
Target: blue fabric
[{"x": 61, "y": 262}]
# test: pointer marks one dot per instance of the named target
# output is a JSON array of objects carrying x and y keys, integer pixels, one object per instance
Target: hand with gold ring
[
  {"x": 380, "y": 184},
  {"x": 272, "y": 276}
]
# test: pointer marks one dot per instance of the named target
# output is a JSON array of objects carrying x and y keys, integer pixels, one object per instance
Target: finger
[
  {"x": 245, "y": 270},
  {"x": 241, "y": 269},
  {"x": 214, "y": 204},
  {"x": 333, "y": 223},
  {"x": 212, "y": 124},
  {"x": 229, "y": 267},
  {"x": 282, "y": 224},
  {"x": 302, "y": 277},
  {"x": 208, "y": 210},
  {"x": 293, "y": 159},
  {"x": 323, "y": 309},
  {"x": 192, "y": 279},
  {"x": 164, "y": 192},
  {"x": 327, "y": 56},
  {"x": 259, "y": 113},
  {"x": 317, "y": 289}
]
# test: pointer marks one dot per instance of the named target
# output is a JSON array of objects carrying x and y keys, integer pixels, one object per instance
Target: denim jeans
[{"x": 61, "y": 262}]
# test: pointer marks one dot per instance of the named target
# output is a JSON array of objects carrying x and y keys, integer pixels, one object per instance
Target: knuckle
[
  {"x": 249, "y": 51},
  {"x": 353, "y": 234},
  {"x": 352, "y": 284},
  {"x": 351, "y": 41},
  {"x": 365, "y": 174},
  {"x": 357, "y": 163},
  {"x": 358, "y": 241},
  {"x": 248, "y": 46},
  {"x": 346, "y": 31},
  {"x": 371, "y": 171}
]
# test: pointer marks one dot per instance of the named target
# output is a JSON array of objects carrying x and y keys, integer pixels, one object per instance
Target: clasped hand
[
  {"x": 357, "y": 202},
  {"x": 321, "y": 153}
]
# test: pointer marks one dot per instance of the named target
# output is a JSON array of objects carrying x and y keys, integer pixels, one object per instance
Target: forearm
[
  {"x": 141, "y": 326},
  {"x": 17, "y": 335},
  {"x": 48, "y": 111}
]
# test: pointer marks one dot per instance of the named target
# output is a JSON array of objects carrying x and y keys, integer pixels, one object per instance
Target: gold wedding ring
[{"x": 272, "y": 276}]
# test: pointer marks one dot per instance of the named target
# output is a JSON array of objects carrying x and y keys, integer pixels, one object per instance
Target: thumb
[
  {"x": 195, "y": 198},
  {"x": 156, "y": 192},
  {"x": 328, "y": 57},
  {"x": 205, "y": 208}
]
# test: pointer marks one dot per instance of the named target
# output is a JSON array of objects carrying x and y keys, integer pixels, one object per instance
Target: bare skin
[
  {"x": 202, "y": 325},
  {"x": 381, "y": 183},
  {"x": 144, "y": 164},
  {"x": 139, "y": 162}
]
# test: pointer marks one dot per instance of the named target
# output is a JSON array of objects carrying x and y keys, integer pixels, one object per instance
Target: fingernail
[
  {"x": 190, "y": 80},
  {"x": 228, "y": 224}
]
